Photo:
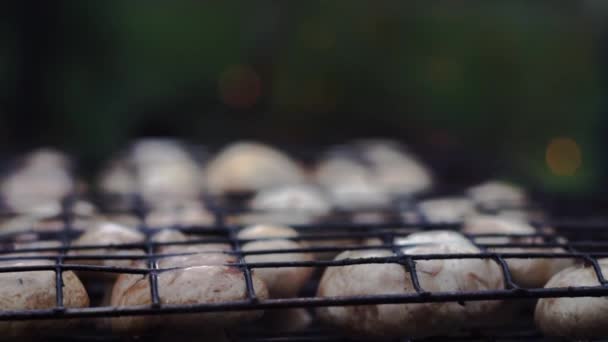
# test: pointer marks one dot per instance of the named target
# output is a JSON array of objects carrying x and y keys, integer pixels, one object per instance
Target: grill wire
[{"x": 585, "y": 251}]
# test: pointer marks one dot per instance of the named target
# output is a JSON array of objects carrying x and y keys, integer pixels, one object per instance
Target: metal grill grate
[{"x": 587, "y": 251}]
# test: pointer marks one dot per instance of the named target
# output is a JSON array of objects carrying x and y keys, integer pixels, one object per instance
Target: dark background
[{"x": 495, "y": 78}]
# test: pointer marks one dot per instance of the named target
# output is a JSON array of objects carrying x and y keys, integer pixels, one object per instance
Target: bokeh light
[
  {"x": 240, "y": 87},
  {"x": 563, "y": 156}
]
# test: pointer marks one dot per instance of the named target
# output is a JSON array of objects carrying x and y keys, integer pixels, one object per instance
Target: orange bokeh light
[
  {"x": 563, "y": 156},
  {"x": 240, "y": 87}
]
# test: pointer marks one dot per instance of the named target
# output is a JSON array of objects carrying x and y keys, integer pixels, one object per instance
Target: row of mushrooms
[{"x": 366, "y": 174}]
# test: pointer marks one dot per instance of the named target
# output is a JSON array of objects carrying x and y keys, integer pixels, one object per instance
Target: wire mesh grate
[{"x": 585, "y": 251}]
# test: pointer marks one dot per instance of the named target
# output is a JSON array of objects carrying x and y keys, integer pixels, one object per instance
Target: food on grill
[
  {"x": 118, "y": 178},
  {"x": 39, "y": 184},
  {"x": 574, "y": 318},
  {"x": 349, "y": 184},
  {"x": 199, "y": 279},
  {"x": 528, "y": 272},
  {"x": 281, "y": 281},
  {"x": 391, "y": 320},
  {"x": 31, "y": 290},
  {"x": 434, "y": 237},
  {"x": 290, "y": 204},
  {"x": 108, "y": 234},
  {"x": 168, "y": 236},
  {"x": 179, "y": 214},
  {"x": 165, "y": 172},
  {"x": 292, "y": 198},
  {"x": 446, "y": 209},
  {"x": 245, "y": 167},
  {"x": 496, "y": 194},
  {"x": 397, "y": 171}
]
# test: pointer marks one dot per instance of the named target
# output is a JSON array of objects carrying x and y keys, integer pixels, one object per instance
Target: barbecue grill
[{"x": 587, "y": 241}]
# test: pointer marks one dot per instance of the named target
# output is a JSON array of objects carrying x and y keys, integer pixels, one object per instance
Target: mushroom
[
  {"x": 165, "y": 172},
  {"x": 245, "y": 167},
  {"x": 350, "y": 184},
  {"x": 290, "y": 204},
  {"x": 108, "y": 234},
  {"x": 281, "y": 281},
  {"x": 39, "y": 185},
  {"x": 180, "y": 214},
  {"x": 574, "y": 318},
  {"x": 495, "y": 194},
  {"x": 32, "y": 290},
  {"x": 446, "y": 209},
  {"x": 414, "y": 320},
  {"x": 214, "y": 284},
  {"x": 529, "y": 272},
  {"x": 397, "y": 171}
]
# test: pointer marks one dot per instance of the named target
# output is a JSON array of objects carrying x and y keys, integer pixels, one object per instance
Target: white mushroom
[
  {"x": 166, "y": 173},
  {"x": 33, "y": 290},
  {"x": 434, "y": 237},
  {"x": 577, "y": 318},
  {"x": 108, "y": 234},
  {"x": 214, "y": 284},
  {"x": 529, "y": 272},
  {"x": 392, "y": 320},
  {"x": 43, "y": 181},
  {"x": 281, "y": 281},
  {"x": 293, "y": 198},
  {"x": 494, "y": 194},
  {"x": 350, "y": 184},
  {"x": 446, "y": 209},
  {"x": 397, "y": 172},
  {"x": 248, "y": 167},
  {"x": 182, "y": 214},
  {"x": 118, "y": 178}
]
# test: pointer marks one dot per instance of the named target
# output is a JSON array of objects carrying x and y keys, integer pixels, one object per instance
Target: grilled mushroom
[
  {"x": 495, "y": 194},
  {"x": 531, "y": 272},
  {"x": 350, "y": 184},
  {"x": 281, "y": 281},
  {"x": 31, "y": 290},
  {"x": 108, "y": 234},
  {"x": 245, "y": 167},
  {"x": 39, "y": 185},
  {"x": 214, "y": 284},
  {"x": 391, "y": 320},
  {"x": 397, "y": 171},
  {"x": 166, "y": 173},
  {"x": 290, "y": 204},
  {"x": 446, "y": 209},
  {"x": 574, "y": 318}
]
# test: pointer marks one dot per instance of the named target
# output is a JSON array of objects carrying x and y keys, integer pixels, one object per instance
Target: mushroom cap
[
  {"x": 397, "y": 172},
  {"x": 176, "y": 213},
  {"x": 36, "y": 290},
  {"x": 493, "y": 194},
  {"x": 292, "y": 198},
  {"x": 530, "y": 272},
  {"x": 281, "y": 281},
  {"x": 266, "y": 231},
  {"x": 446, "y": 209},
  {"x": 249, "y": 167},
  {"x": 575, "y": 318},
  {"x": 108, "y": 233},
  {"x": 423, "y": 319},
  {"x": 434, "y": 237},
  {"x": 187, "y": 285},
  {"x": 350, "y": 184}
]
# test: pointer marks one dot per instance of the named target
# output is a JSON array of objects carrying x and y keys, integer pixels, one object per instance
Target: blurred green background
[{"x": 503, "y": 78}]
